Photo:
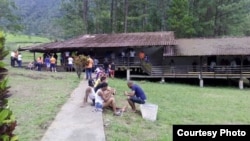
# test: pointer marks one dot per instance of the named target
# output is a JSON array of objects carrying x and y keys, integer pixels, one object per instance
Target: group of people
[
  {"x": 48, "y": 61},
  {"x": 103, "y": 96},
  {"x": 129, "y": 53},
  {"x": 16, "y": 57},
  {"x": 107, "y": 69}
]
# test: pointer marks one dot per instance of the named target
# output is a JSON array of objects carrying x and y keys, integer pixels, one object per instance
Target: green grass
[
  {"x": 11, "y": 38},
  {"x": 36, "y": 99},
  {"x": 178, "y": 104},
  {"x": 38, "y": 96},
  {"x": 13, "y": 42}
]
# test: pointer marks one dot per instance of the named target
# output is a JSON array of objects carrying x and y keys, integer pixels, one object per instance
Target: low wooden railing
[{"x": 206, "y": 70}]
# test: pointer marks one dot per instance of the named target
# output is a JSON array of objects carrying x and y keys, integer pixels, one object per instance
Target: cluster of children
[{"x": 109, "y": 72}]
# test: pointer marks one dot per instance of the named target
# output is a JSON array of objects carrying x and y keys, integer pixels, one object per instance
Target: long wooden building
[{"x": 215, "y": 58}]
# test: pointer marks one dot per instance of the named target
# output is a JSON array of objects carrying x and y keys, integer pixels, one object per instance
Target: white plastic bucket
[{"x": 149, "y": 111}]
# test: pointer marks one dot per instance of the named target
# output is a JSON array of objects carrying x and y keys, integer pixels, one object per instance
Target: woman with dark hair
[{"x": 102, "y": 100}]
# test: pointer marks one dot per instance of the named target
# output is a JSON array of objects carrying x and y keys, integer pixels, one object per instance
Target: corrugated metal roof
[
  {"x": 213, "y": 46},
  {"x": 110, "y": 40}
]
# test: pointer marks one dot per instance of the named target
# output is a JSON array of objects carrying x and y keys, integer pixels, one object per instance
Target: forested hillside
[
  {"x": 38, "y": 17},
  {"x": 187, "y": 18}
]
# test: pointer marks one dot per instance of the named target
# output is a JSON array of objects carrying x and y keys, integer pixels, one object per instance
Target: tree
[
  {"x": 72, "y": 20},
  {"x": 230, "y": 14},
  {"x": 218, "y": 18},
  {"x": 7, "y": 119},
  {"x": 8, "y": 19},
  {"x": 188, "y": 18},
  {"x": 85, "y": 15},
  {"x": 80, "y": 61},
  {"x": 179, "y": 19},
  {"x": 125, "y": 15}
]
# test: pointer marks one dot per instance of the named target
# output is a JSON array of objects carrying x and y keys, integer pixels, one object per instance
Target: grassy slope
[
  {"x": 15, "y": 41},
  {"x": 178, "y": 104},
  {"x": 36, "y": 99},
  {"x": 25, "y": 39}
]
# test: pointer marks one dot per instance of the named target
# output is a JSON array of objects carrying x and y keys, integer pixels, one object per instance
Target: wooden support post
[
  {"x": 200, "y": 76},
  {"x": 201, "y": 83},
  {"x": 241, "y": 85},
  {"x": 128, "y": 74},
  {"x": 162, "y": 80}
]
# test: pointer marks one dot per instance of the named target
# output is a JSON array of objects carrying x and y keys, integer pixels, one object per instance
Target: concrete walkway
[{"x": 74, "y": 123}]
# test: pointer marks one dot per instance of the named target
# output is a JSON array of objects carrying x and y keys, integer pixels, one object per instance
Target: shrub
[
  {"x": 7, "y": 119},
  {"x": 80, "y": 62}
]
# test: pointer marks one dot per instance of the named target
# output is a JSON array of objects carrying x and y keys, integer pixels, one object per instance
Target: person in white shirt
[
  {"x": 12, "y": 58},
  {"x": 19, "y": 60},
  {"x": 123, "y": 56},
  {"x": 67, "y": 54},
  {"x": 132, "y": 56},
  {"x": 70, "y": 63}
]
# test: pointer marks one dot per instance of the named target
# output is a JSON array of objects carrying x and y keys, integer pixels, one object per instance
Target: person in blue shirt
[{"x": 137, "y": 95}]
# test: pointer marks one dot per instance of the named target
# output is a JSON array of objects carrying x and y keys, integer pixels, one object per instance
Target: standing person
[
  {"x": 123, "y": 56},
  {"x": 172, "y": 66},
  {"x": 62, "y": 58},
  {"x": 12, "y": 58},
  {"x": 89, "y": 68},
  {"x": 137, "y": 95},
  {"x": 132, "y": 56},
  {"x": 146, "y": 59},
  {"x": 19, "y": 60},
  {"x": 112, "y": 70},
  {"x": 67, "y": 53},
  {"x": 106, "y": 66},
  {"x": 53, "y": 63},
  {"x": 39, "y": 63},
  {"x": 47, "y": 62},
  {"x": 56, "y": 57},
  {"x": 141, "y": 55},
  {"x": 15, "y": 58},
  {"x": 70, "y": 64}
]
